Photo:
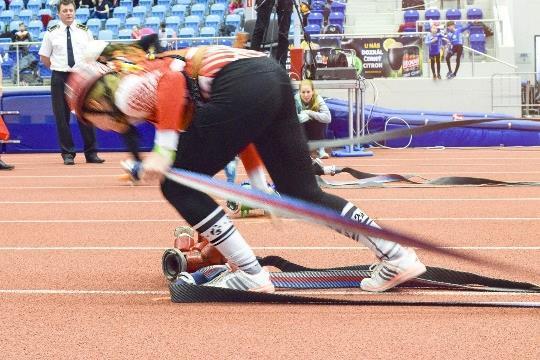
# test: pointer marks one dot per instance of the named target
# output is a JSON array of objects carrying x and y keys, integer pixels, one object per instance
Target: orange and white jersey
[{"x": 214, "y": 59}]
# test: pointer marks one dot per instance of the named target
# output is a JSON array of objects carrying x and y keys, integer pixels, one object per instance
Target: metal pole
[
  {"x": 472, "y": 64},
  {"x": 18, "y": 64},
  {"x": 351, "y": 131}
]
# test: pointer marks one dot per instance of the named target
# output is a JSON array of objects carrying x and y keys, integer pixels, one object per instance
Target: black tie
[{"x": 71, "y": 58}]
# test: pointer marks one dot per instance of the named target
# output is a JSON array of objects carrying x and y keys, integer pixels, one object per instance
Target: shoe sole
[
  {"x": 407, "y": 275},
  {"x": 264, "y": 289}
]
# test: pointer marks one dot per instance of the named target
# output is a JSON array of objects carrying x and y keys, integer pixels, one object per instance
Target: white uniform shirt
[{"x": 54, "y": 44}]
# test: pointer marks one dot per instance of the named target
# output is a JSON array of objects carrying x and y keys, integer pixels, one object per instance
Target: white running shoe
[
  {"x": 240, "y": 280},
  {"x": 323, "y": 154},
  {"x": 390, "y": 273}
]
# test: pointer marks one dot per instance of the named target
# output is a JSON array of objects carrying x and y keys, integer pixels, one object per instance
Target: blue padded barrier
[
  {"x": 520, "y": 133},
  {"x": 36, "y": 127}
]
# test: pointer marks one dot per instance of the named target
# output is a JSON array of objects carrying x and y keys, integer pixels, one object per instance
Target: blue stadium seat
[
  {"x": 337, "y": 18},
  {"x": 233, "y": 19},
  {"x": 113, "y": 24},
  {"x": 218, "y": 9},
  {"x": 34, "y": 6},
  {"x": 183, "y": 2},
  {"x": 411, "y": 15},
  {"x": 105, "y": 35},
  {"x": 7, "y": 16},
  {"x": 198, "y": 10},
  {"x": 34, "y": 28},
  {"x": 16, "y": 6},
  {"x": 453, "y": 14},
  {"x": 221, "y": 1},
  {"x": 153, "y": 23},
  {"x": 474, "y": 14},
  {"x": 166, "y": 3},
  {"x": 478, "y": 42},
  {"x": 186, "y": 33},
  {"x": 82, "y": 15},
  {"x": 121, "y": 13},
  {"x": 208, "y": 31},
  {"x": 159, "y": 11},
  {"x": 338, "y": 6},
  {"x": 193, "y": 22},
  {"x": 94, "y": 25},
  {"x": 239, "y": 11},
  {"x": 476, "y": 29},
  {"x": 41, "y": 35},
  {"x": 173, "y": 22},
  {"x": 3, "y": 5},
  {"x": 133, "y": 21},
  {"x": 124, "y": 34},
  {"x": 315, "y": 19},
  {"x": 128, "y": 4},
  {"x": 44, "y": 71},
  {"x": 14, "y": 25},
  {"x": 140, "y": 12},
  {"x": 213, "y": 21},
  {"x": 45, "y": 12},
  {"x": 312, "y": 29},
  {"x": 179, "y": 10},
  {"x": 147, "y": 4},
  {"x": 432, "y": 14},
  {"x": 25, "y": 16},
  {"x": 317, "y": 6}
]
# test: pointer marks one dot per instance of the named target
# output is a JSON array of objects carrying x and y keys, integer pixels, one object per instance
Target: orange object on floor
[{"x": 4, "y": 132}]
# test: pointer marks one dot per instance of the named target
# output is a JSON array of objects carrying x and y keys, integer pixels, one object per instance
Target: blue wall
[{"x": 35, "y": 127}]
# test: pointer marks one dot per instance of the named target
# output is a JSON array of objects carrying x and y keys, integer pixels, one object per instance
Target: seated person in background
[
  {"x": 22, "y": 34},
  {"x": 7, "y": 34},
  {"x": 90, "y": 4},
  {"x": 136, "y": 32},
  {"x": 163, "y": 35},
  {"x": 28, "y": 69},
  {"x": 102, "y": 9},
  {"x": 235, "y": 4},
  {"x": 313, "y": 113}
]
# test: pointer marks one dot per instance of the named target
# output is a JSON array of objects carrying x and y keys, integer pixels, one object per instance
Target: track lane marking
[
  {"x": 401, "y": 292},
  {"x": 267, "y": 248}
]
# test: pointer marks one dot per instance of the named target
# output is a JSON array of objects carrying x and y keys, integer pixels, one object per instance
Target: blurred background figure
[{"x": 313, "y": 113}]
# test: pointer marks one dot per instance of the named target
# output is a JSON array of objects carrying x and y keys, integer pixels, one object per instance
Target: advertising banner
[{"x": 394, "y": 57}]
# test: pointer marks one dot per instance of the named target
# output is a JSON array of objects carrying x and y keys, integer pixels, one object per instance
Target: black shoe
[
  {"x": 4, "y": 166},
  {"x": 94, "y": 159},
  {"x": 68, "y": 159}
]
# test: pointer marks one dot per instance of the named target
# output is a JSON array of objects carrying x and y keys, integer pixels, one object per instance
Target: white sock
[
  {"x": 383, "y": 249},
  {"x": 221, "y": 233}
]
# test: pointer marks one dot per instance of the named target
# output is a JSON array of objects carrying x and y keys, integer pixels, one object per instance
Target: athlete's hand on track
[{"x": 154, "y": 166}]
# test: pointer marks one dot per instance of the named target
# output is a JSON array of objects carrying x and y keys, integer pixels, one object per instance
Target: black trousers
[
  {"x": 252, "y": 102},
  {"x": 284, "y": 12},
  {"x": 62, "y": 115},
  {"x": 458, "y": 51},
  {"x": 436, "y": 59},
  {"x": 315, "y": 130}
]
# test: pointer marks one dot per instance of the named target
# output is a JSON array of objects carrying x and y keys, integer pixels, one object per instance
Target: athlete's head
[{"x": 90, "y": 93}]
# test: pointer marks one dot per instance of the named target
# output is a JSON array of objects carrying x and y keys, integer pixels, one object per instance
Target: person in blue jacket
[
  {"x": 455, "y": 39},
  {"x": 434, "y": 40}
]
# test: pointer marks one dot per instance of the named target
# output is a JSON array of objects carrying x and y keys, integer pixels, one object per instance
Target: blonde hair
[{"x": 312, "y": 104}]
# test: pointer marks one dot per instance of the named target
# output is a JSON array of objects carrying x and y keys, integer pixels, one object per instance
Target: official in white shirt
[{"x": 62, "y": 47}]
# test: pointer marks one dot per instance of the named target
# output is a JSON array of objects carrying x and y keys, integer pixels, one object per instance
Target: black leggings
[
  {"x": 436, "y": 59},
  {"x": 252, "y": 102},
  {"x": 458, "y": 50}
]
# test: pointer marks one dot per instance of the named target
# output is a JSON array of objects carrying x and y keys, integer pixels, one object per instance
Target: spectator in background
[
  {"x": 22, "y": 34},
  {"x": 313, "y": 114},
  {"x": 235, "y": 4},
  {"x": 136, "y": 32},
  {"x": 434, "y": 40},
  {"x": 90, "y": 4},
  {"x": 455, "y": 39},
  {"x": 102, "y": 9},
  {"x": 7, "y": 34},
  {"x": 264, "y": 10}
]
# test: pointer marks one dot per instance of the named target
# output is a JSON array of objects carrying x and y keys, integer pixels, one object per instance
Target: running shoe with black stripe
[
  {"x": 390, "y": 273},
  {"x": 240, "y": 280}
]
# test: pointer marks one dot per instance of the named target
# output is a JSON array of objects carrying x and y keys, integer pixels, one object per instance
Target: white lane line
[
  {"x": 58, "y": 176},
  {"x": 125, "y": 186},
  {"x": 249, "y": 221},
  {"x": 71, "y": 202},
  {"x": 81, "y": 292},
  {"x": 267, "y": 248},
  {"x": 402, "y": 292}
]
